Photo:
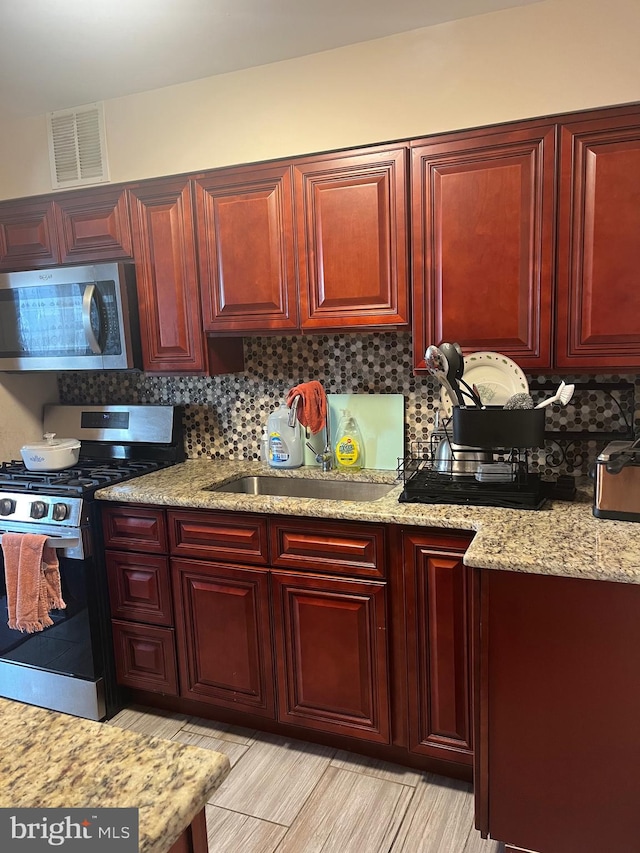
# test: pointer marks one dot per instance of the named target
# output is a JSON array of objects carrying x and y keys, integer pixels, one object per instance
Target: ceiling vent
[{"x": 77, "y": 146}]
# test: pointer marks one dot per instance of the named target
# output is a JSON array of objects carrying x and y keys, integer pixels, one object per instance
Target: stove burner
[{"x": 82, "y": 479}]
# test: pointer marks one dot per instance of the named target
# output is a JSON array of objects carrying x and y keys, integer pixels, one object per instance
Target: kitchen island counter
[
  {"x": 563, "y": 538},
  {"x": 53, "y": 760}
]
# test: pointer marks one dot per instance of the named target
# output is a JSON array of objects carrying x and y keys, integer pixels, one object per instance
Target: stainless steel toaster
[{"x": 617, "y": 488}]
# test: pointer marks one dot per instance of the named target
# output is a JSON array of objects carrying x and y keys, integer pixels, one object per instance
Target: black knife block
[{"x": 497, "y": 427}]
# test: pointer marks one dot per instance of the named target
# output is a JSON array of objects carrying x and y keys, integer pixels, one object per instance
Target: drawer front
[
  {"x": 145, "y": 657},
  {"x": 135, "y": 529},
  {"x": 340, "y": 548},
  {"x": 219, "y": 536},
  {"x": 139, "y": 587}
]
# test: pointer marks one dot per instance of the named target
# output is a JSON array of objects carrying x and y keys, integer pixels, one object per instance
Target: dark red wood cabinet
[
  {"x": 331, "y": 648},
  {"x": 85, "y": 226},
  {"x": 166, "y": 274},
  {"x": 351, "y": 221},
  {"x": 438, "y": 623},
  {"x": 557, "y": 713},
  {"x": 483, "y": 242},
  {"x": 142, "y": 621},
  {"x": 93, "y": 225},
  {"x": 28, "y": 234},
  {"x": 246, "y": 249},
  {"x": 338, "y": 629},
  {"x": 598, "y": 301},
  {"x": 224, "y": 635}
]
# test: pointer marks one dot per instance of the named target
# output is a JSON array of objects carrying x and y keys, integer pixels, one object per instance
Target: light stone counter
[
  {"x": 52, "y": 760},
  {"x": 560, "y": 539}
]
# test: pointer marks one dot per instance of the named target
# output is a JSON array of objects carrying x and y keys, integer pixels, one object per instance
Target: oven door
[{"x": 61, "y": 667}]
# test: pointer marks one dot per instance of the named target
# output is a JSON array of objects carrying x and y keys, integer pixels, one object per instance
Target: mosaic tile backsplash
[{"x": 225, "y": 415}]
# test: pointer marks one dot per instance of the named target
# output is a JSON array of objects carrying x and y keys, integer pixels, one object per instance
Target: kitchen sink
[{"x": 296, "y": 487}]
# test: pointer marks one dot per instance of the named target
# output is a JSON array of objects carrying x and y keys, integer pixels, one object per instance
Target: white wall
[
  {"x": 22, "y": 397},
  {"x": 553, "y": 56}
]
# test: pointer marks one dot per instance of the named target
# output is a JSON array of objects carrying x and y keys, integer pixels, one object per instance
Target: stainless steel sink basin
[{"x": 296, "y": 487}]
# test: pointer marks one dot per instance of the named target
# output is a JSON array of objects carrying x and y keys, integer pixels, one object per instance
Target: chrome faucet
[{"x": 325, "y": 457}]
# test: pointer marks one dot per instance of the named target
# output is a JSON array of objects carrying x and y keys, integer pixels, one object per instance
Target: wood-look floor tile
[
  {"x": 224, "y": 731},
  {"x": 232, "y": 832},
  {"x": 233, "y": 750},
  {"x": 378, "y": 769},
  {"x": 439, "y": 819},
  {"x": 274, "y": 779},
  {"x": 149, "y": 721},
  {"x": 349, "y": 813}
]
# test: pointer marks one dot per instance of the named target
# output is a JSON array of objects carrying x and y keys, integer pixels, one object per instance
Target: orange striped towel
[{"x": 32, "y": 576}]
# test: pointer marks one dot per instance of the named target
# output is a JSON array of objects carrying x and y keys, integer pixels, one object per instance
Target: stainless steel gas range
[{"x": 69, "y": 666}]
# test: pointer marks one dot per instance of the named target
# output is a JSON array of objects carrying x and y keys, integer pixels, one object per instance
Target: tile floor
[{"x": 289, "y": 796}]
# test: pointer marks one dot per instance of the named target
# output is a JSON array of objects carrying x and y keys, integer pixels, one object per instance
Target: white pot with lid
[{"x": 52, "y": 454}]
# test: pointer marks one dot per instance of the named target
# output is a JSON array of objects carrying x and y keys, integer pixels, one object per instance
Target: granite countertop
[
  {"x": 560, "y": 539},
  {"x": 52, "y": 760}
]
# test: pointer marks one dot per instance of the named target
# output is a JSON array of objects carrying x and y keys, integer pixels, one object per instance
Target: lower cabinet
[
  {"x": 331, "y": 648},
  {"x": 145, "y": 657},
  {"x": 224, "y": 637},
  {"x": 438, "y": 619},
  {"x": 352, "y": 630}
]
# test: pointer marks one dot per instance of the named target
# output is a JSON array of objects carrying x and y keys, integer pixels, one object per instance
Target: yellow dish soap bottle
[{"x": 349, "y": 446}]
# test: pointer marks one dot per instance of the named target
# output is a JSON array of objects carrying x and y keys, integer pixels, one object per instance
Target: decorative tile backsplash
[{"x": 224, "y": 415}]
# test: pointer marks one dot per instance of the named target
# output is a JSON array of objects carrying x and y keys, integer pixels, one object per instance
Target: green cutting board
[{"x": 381, "y": 421}]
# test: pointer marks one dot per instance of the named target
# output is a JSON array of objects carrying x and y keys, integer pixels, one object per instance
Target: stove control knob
[
  {"x": 39, "y": 509},
  {"x": 59, "y": 512},
  {"x": 7, "y": 506}
]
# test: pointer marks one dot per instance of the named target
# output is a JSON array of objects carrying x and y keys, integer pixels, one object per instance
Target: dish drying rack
[
  {"x": 509, "y": 434},
  {"x": 424, "y": 483}
]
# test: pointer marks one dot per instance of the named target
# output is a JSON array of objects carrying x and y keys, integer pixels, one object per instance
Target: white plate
[{"x": 495, "y": 376}]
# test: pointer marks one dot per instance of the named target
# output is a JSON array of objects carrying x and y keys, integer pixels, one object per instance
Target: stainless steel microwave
[{"x": 69, "y": 318}]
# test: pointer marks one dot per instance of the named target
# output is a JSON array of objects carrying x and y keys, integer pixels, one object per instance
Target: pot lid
[{"x": 52, "y": 443}]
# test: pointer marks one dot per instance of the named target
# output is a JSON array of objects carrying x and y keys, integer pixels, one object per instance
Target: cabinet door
[
  {"x": 246, "y": 249},
  {"x": 599, "y": 245},
  {"x": 139, "y": 587},
  {"x": 27, "y": 235},
  {"x": 145, "y": 657},
  {"x": 332, "y": 655},
  {"x": 352, "y": 239},
  {"x": 224, "y": 640},
  {"x": 437, "y": 605},
  {"x": 93, "y": 225},
  {"x": 165, "y": 253},
  {"x": 483, "y": 234}
]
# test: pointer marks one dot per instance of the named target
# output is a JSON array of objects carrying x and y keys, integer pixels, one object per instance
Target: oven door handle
[
  {"x": 87, "y": 300},
  {"x": 60, "y": 541}
]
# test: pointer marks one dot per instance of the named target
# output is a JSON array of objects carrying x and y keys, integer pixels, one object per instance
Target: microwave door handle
[{"x": 87, "y": 301}]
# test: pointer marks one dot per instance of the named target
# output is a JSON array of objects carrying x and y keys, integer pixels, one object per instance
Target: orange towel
[
  {"x": 312, "y": 406},
  {"x": 33, "y": 581}
]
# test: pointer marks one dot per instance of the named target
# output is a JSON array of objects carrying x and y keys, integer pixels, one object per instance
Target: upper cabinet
[
  {"x": 598, "y": 309},
  {"x": 93, "y": 226},
  {"x": 166, "y": 274},
  {"x": 351, "y": 224},
  {"x": 482, "y": 242},
  {"x": 80, "y": 227},
  {"x": 246, "y": 249},
  {"x": 28, "y": 235}
]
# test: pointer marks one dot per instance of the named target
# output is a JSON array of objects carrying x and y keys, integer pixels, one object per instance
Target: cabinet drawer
[
  {"x": 342, "y": 548},
  {"x": 139, "y": 587},
  {"x": 219, "y": 536},
  {"x": 135, "y": 529},
  {"x": 145, "y": 657}
]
